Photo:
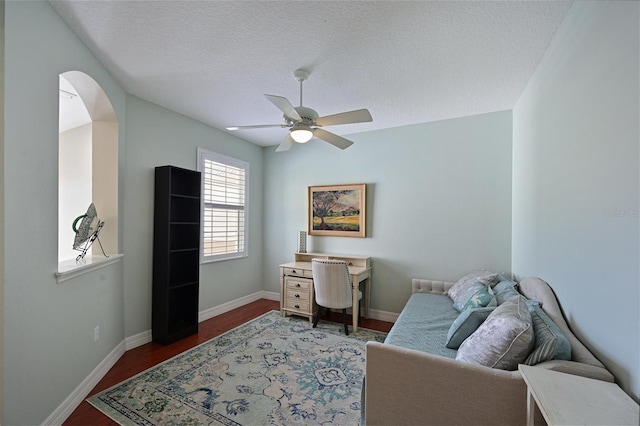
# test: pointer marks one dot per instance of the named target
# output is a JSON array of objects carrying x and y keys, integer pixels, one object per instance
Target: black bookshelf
[{"x": 176, "y": 254}]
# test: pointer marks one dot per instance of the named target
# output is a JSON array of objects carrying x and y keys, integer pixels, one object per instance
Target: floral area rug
[{"x": 269, "y": 371}]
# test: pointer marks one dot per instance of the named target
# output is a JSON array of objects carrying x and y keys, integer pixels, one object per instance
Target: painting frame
[{"x": 324, "y": 220}]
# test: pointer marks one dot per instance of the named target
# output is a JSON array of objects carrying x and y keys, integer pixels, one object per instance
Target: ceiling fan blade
[
  {"x": 285, "y": 106},
  {"x": 356, "y": 116},
  {"x": 333, "y": 139},
  {"x": 257, "y": 126},
  {"x": 286, "y": 144}
]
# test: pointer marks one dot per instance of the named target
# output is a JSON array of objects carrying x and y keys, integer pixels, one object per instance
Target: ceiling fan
[{"x": 304, "y": 123}]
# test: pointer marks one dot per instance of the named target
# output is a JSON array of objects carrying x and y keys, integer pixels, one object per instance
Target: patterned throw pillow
[
  {"x": 476, "y": 296},
  {"x": 551, "y": 343},
  {"x": 480, "y": 299},
  {"x": 504, "y": 339},
  {"x": 482, "y": 277},
  {"x": 467, "y": 322}
]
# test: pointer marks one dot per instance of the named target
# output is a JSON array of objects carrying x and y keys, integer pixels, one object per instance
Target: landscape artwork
[{"x": 337, "y": 210}]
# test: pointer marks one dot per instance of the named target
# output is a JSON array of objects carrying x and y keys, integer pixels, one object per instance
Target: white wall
[
  {"x": 75, "y": 185},
  {"x": 576, "y": 180},
  {"x": 438, "y": 201},
  {"x": 48, "y": 327},
  {"x": 158, "y": 137}
]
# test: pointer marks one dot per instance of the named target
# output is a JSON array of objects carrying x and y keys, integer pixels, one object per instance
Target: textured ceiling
[{"x": 407, "y": 62}]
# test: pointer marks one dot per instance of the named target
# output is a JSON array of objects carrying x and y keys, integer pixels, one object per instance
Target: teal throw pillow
[
  {"x": 466, "y": 323},
  {"x": 476, "y": 296},
  {"x": 504, "y": 291},
  {"x": 480, "y": 299},
  {"x": 504, "y": 284},
  {"x": 532, "y": 305},
  {"x": 551, "y": 343}
]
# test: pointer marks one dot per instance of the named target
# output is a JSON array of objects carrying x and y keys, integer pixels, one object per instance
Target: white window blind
[{"x": 224, "y": 206}]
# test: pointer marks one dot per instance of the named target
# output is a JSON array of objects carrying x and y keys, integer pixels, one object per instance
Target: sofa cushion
[
  {"x": 423, "y": 324},
  {"x": 550, "y": 343},
  {"x": 476, "y": 296},
  {"x": 482, "y": 277},
  {"x": 467, "y": 322},
  {"x": 504, "y": 339}
]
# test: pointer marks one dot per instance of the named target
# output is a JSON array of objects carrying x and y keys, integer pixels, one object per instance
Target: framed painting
[{"x": 337, "y": 210}]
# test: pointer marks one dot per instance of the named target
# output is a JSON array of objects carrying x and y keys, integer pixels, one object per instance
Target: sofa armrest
[
  {"x": 408, "y": 387},
  {"x": 578, "y": 369},
  {"x": 419, "y": 285}
]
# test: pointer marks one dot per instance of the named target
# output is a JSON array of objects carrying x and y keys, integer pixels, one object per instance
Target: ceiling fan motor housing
[{"x": 308, "y": 116}]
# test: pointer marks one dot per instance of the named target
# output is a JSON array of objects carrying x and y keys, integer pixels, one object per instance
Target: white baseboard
[
  {"x": 383, "y": 315},
  {"x": 145, "y": 337},
  {"x": 376, "y": 315},
  {"x": 136, "y": 340},
  {"x": 237, "y": 303},
  {"x": 72, "y": 402}
]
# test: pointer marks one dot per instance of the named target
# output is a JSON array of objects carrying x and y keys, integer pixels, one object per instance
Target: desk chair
[{"x": 332, "y": 286}]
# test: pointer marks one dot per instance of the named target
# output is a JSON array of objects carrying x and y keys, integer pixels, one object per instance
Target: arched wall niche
[{"x": 88, "y": 162}]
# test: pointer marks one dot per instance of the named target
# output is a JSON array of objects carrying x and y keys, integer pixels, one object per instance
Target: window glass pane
[
  {"x": 224, "y": 206},
  {"x": 223, "y": 231}
]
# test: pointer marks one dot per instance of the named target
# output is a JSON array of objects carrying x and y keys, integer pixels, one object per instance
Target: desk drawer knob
[
  {"x": 297, "y": 284},
  {"x": 297, "y": 295},
  {"x": 294, "y": 271},
  {"x": 297, "y": 306}
]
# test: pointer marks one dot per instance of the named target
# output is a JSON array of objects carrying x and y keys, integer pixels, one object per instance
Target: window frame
[{"x": 208, "y": 155}]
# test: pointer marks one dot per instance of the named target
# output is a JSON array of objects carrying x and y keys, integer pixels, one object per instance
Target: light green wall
[
  {"x": 48, "y": 340},
  {"x": 158, "y": 137},
  {"x": 576, "y": 180},
  {"x": 1, "y": 206},
  {"x": 438, "y": 201}
]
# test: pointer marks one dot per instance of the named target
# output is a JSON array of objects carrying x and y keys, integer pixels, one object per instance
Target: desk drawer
[
  {"x": 296, "y": 272},
  {"x": 297, "y": 284},
  {"x": 298, "y": 295},
  {"x": 297, "y": 305}
]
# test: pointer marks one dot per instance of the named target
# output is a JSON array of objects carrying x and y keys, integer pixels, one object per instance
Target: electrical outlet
[{"x": 96, "y": 333}]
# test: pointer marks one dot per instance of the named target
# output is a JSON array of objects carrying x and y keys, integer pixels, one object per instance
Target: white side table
[{"x": 567, "y": 399}]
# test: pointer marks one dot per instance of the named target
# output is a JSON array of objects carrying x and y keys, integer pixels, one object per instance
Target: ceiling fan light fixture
[
  {"x": 301, "y": 134},
  {"x": 305, "y": 123}
]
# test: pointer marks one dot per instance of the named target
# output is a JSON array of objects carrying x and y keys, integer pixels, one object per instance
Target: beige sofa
[{"x": 410, "y": 387}]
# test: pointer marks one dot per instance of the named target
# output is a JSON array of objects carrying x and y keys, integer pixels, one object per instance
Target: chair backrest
[{"x": 332, "y": 283}]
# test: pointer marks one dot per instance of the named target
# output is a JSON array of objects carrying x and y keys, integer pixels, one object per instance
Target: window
[
  {"x": 87, "y": 167},
  {"x": 224, "y": 206}
]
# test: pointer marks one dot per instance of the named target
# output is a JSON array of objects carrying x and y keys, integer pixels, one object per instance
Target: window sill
[
  {"x": 222, "y": 258},
  {"x": 70, "y": 269}
]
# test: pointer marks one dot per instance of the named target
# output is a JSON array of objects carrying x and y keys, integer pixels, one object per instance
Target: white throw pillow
[{"x": 504, "y": 339}]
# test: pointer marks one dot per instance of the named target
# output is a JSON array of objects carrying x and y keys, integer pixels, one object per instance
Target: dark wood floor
[{"x": 150, "y": 354}]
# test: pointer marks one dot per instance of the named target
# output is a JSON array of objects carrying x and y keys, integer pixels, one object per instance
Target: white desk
[
  {"x": 300, "y": 275},
  {"x": 566, "y": 399}
]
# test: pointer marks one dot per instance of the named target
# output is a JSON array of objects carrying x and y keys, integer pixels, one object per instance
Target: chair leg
[
  {"x": 344, "y": 320},
  {"x": 316, "y": 318}
]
